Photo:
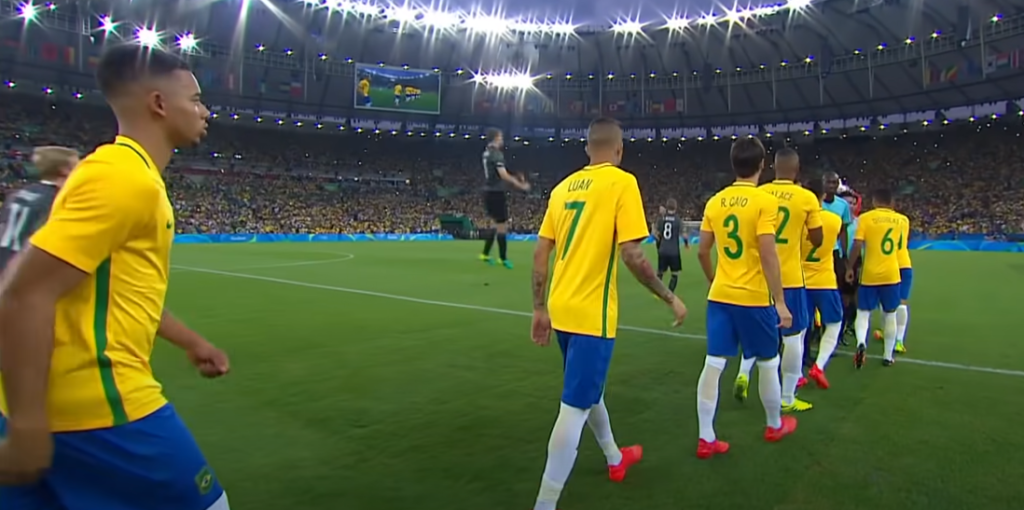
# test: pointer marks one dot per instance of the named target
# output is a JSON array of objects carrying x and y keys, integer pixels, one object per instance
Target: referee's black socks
[
  {"x": 488, "y": 241},
  {"x": 672, "y": 282},
  {"x": 503, "y": 246}
]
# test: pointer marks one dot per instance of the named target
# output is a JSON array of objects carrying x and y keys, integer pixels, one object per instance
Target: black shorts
[
  {"x": 840, "y": 265},
  {"x": 669, "y": 263},
  {"x": 496, "y": 205}
]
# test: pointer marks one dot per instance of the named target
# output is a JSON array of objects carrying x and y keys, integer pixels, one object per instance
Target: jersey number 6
[
  {"x": 732, "y": 223},
  {"x": 577, "y": 209}
]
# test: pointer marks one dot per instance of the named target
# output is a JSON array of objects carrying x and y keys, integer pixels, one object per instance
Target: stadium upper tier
[{"x": 778, "y": 63}]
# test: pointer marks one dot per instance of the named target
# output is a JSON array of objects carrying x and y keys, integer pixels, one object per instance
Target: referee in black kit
[{"x": 496, "y": 197}]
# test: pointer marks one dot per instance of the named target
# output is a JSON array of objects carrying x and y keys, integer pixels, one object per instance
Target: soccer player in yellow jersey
[
  {"x": 364, "y": 91},
  {"x": 798, "y": 217},
  {"x": 740, "y": 220},
  {"x": 822, "y": 286},
  {"x": 398, "y": 94},
  {"x": 409, "y": 92},
  {"x": 878, "y": 236},
  {"x": 85, "y": 423},
  {"x": 906, "y": 280},
  {"x": 593, "y": 215}
]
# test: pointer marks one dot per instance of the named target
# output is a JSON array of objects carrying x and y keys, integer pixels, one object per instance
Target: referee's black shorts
[
  {"x": 496, "y": 206},
  {"x": 840, "y": 267}
]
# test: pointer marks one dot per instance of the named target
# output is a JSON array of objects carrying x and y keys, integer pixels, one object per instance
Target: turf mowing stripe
[{"x": 939, "y": 364}]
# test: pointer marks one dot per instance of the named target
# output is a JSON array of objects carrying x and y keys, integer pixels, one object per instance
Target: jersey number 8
[
  {"x": 666, "y": 232},
  {"x": 11, "y": 238}
]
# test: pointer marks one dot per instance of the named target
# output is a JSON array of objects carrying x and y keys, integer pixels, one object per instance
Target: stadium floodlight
[
  {"x": 187, "y": 41},
  {"x": 362, "y": 9},
  {"x": 561, "y": 28},
  {"x": 677, "y": 24},
  {"x": 28, "y": 11},
  {"x": 401, "y": 14},
  {"x": 707, "y": 19},
  {"x": 627, "y": 27},
  {"x": 798, "y": 4},
  {"x": 512, "y": 81},
  {"x": 527, "y": 27},
  {"x": 490, "y": 25},
  {"x": 147, "y": 36},
  {"x": 736, "y": 16},
  {"x": 440, "y": 20}
]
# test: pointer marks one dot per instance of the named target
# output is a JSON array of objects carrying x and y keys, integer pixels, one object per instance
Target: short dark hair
[
  {"x": 127, "y": 63},
  {"x": 747, "y": 156},
  {"x": 492, "y": 134},
  {"x": 882, "y": 196},
  {"x": 671, "y": 204},
  {"x": 603, "y": 130},
  {"x": 815, "y": 186},
  {"x": 786, "y": 152}
]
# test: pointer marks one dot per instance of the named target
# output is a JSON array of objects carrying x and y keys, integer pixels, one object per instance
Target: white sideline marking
[
  {"x": 343, "y": 257},
  {"x": 939, "y": 364}
]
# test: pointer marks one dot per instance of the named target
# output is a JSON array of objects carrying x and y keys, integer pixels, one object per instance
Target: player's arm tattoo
[
  {"x": 633, "y": 257},
  {"x": 541, "y": 260},
  {"x": 707, "y": 242}
]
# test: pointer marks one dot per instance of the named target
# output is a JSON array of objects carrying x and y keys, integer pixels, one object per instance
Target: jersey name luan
[
  {"x": 737, "y": 216},
  {"x": 880, "y": 230},
  {"x": 668, "y": 230},
  {"x": 589, "y": 214},
  {"x": 23, "y": 213},
  {"x": 819, "y": 264},
  {"x": 798, "y": 212}
]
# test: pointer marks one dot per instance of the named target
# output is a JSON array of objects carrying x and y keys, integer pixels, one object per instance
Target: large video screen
[{"x": 398, "y": 90}]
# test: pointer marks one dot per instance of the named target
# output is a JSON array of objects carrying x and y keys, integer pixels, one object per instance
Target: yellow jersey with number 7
[
  {"x": 798, "y": 212},
  {"x": 736, "y": 216},
  {"x": 819, "y": 265},
  {"x": 902, "y": 250},
  {"x": 589, "y": 214},
  {"x": 879, "y": 230}
]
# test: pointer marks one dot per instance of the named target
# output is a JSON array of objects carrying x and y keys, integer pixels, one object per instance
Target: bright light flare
[
  {"x": 519, "y": 82},
  {"x": 441, "y": 20},
  {"x": 147, "y": 37},
  {"x": 490, "y": 25},
  {"x": 677, "y": 24},
  {"x": 401, "y": 14},
  {"x": 187, "y": 41},
  {"x": 107, "y": 24},
  {"x": 627, "y": 27},
  {"x": 736, "y": 16},
  {"x": 707, "y": 19},
  {"x": 798, "y": 4},
  {"x": 28, "y": 11}
]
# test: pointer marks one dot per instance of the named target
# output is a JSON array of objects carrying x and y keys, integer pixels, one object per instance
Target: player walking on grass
[
  {"x": 26, "y": 210},
  {"x": 822, "y": 287},
  {"x": 666, "y": 234},
  {"x": 878, "y": 233},
  {"x": 740, "y": 219},
  {"x": 593, "y": 215},
  {"x": 906, "y": 281},
  {"x": 86, "y": 424},
  {"x": 496, "y": 197},
  {"x": 798, "y": 217}
]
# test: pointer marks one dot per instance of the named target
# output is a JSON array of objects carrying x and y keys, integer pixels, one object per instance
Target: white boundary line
[
  {"x": 939, "y": 364},
  {"x": 342, "y": 258}
]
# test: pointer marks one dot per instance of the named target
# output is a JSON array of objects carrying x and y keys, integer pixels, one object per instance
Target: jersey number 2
[
  {"x": 11, "y": 238},
  {"x": 783, "y": 221},
  {"x": 577, "y": 209}
]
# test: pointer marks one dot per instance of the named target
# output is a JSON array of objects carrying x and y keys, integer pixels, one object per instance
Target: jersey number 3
[
  {"x": 11, "y": 238},
  {"x": 732, "y": 224},
  {"x": 577, "y": 209}
]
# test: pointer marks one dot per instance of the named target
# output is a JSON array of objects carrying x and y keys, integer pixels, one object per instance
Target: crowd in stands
[{"x": 284, "y": 179}]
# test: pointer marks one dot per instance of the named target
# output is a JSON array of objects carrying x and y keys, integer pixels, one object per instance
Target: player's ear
[{"x": 156, "y": 102}]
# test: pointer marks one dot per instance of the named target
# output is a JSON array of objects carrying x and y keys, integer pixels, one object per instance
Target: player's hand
[
  {"x": 785, "y": 318},
  {"x": 211, "y": 361},
  {"x": 25, "y": 455},
  {"x": 679, "y": 310},
  {"x": 523, "y": 185},
  {"x": 849, "y": 276},
  {"x": 540, "y": 330}
]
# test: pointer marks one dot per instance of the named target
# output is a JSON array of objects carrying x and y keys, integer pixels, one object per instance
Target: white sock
[
  {"x": 792, "y": 365},
  {"x": 746, "y": 365},
  {"x": 861, "y": 325},
  {"x": 902, "y": 318},
  {"x": 829, "y": 339},
  {"x": 889, "y": 335},
  {"x": 707, "y": 395},
  {"x": 770, "y": 389},
  {"x": 601, "y": 426},
  {"x": 565, "y": 439}
]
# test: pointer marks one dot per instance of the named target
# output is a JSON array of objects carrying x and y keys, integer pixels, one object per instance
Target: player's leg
[
  {"x": 867, "y": 300},
  {"x": 889, "y": 297},
  {"x": 829, "y": 304},
  {"x": 675, "y": 264},
  {"x": 662, "y": 265},
  {"x": 492, "y": 207},
  {"x": 586, "y": 368},
  {"x": 150, "y": 464},
  {"x": 793, "y": 351},
  {"x": 723, "y": 342},
  {"x": 903, "y": 313},
  {"x": 759, "y": 337},
  {"x": 742, "y": 383}
]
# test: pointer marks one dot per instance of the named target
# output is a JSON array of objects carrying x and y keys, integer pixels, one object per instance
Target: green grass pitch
[
  {"x": 401, "y": 376},
  {"x": 384, "y": 99}
]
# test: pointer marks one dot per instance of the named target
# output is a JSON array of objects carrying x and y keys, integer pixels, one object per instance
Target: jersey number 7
[{"x": 577, "y": 209}]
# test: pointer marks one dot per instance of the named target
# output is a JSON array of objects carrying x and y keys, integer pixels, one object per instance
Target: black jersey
[
  {"x": 493, "y": 160},
  {"x": 668, "y": 230},
  {"x": 24, "y": 211}
]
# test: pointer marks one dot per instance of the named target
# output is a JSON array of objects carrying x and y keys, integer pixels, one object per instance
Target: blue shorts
[
  {"x": 755, "y": 328},
  {"x": 796, "y": 301},
  {"x": 827, "y": 302},
  {"x": 906, "y": 281},
  {"x": 870, "y": 296},
  {"x": 585, "y": 360},
  {"x": 367, "y": 100},
  {"x": 149, "y": 464}
]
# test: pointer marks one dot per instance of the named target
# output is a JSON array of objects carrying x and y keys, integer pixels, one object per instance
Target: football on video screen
[{"x": 397, "y": 89}]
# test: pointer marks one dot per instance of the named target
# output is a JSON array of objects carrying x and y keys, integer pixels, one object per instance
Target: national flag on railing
[
  {"x": 996, "y": 62},
  {"x": 616, "y": 107},
  {"x": 669, "y": 105},
  {"x": 935, "y": 74}
]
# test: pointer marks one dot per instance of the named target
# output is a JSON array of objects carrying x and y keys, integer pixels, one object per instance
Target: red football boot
[
  {"x": 801, "y": 382},
  {"x": 630, "y": 455},
  {"x": 788, "y": 427},
  {"x": 818, "y": 376},
  {"x": 706, "y": 450}
]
